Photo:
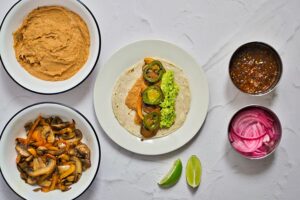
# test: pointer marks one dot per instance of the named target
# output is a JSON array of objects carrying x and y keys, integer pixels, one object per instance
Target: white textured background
[{"x": 210, "y": 30}]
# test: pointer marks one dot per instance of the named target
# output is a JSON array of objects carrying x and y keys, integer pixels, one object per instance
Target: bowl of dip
[
  {"x": 254, "y": 132},
  {"x": 51, "y": 46},
  {"x": 255, "y": 68}
]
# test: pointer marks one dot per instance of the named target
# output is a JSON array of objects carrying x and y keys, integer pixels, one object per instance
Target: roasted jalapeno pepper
[
  {"x": 146, "y": 133},
  {"x": 153, "y": 72},
  {"x": 151, "y": 121},
  {"x": 152, "y": 95}
]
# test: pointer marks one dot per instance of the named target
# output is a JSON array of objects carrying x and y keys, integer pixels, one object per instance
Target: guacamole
[{"x": 170, "y": 90}]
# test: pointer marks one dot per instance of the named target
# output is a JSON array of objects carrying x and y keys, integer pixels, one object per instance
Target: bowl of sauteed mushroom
[{"x": 49, "y": 150}]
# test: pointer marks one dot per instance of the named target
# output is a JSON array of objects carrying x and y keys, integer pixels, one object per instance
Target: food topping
[
  {"x": 134, "y": 93},
  {"x": 153, "y": 98},
  {"x": 150, "y": 124},
  {"x": 152, "y": 95},
  {"x": 170, "y": 90},
  {"x": 254, "y": 132},
  {"x": 134, "y": 99},
  {"x": 52, "y": 155},
  {"x": 151, "y": 121},
  {"x": 255, "y": 69},
  {"x": 153, "y": 72}
]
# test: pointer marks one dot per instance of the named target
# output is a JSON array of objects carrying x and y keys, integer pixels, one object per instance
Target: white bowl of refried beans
[{"x": 49, "y": 46}]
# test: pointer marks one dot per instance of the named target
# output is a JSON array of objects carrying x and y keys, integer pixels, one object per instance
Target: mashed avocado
[{"x": 170, "y": 90}]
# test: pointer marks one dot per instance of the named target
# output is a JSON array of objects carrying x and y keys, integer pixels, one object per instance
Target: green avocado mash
[{"x": 170, "y": 90}]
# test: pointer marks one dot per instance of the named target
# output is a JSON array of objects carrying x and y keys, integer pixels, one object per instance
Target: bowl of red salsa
[{"x": 255, "y": 68}]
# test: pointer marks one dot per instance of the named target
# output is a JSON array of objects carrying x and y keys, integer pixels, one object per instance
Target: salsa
[{"x": 255, "y": 68}]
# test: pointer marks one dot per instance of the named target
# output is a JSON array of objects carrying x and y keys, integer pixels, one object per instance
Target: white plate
[
  {"x": 126, "y": 57},
  {"x": 14, "y": 18},
  {"x": 15, "y": 128}
]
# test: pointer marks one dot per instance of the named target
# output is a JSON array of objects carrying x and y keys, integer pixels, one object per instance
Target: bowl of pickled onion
[{"x": 254, "y": 132}]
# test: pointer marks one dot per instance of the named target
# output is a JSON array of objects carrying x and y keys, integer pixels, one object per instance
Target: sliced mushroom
[
  {"x": 64, "y": 157},
  {"x": 45, "y": 170},
  {"x": 76, "y": 139},
  {"x": 45, "y": 130},
  {"x": 24, "y": 176},
  {"x": 63, "y": 168},
  {"x": 30, "y": 181},
  {"x": 78, "y": 164},
  {"x": 28, "y": 159},
  {"x": 83, "y": 151},
  {"x": 68, "y": 172},
  {"x": 45, "y": 183},
  {"x": 18, "y": 159},
  {"x": 63, "y": 188},
  {"x": 56, "y": 120},
  {"x": 69, "y": 135},
  {"x": 36, "y": 164},
  {"x": 71, "y": 178},
  {"x": 86, "y": 163},
  {"x": 41, "y": 150},
  {"x": 22, "y": 173},
  {"x": 22, "y": 151},
  {"x": 36, "y": 189},
  {"x": 23, "y": 165},
  {"x": 68, "y": 183},
  {"x": 67, "y": 130},
  {"x": 41, "y": 163},
  {"x": 43, "y": 178},
  {"x": 58, "y": 152},
  {"x": 51, "y": 137},
  {"x": 60, "y": 126}
]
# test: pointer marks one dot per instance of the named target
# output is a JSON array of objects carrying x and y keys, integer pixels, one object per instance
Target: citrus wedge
[
  {"x": 173, "y": 175},
  {"x": 193, "y": 171}
]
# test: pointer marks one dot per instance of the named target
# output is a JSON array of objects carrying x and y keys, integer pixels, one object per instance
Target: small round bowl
[
  {"x": 11, "y": 22},
  {"x": 15, "y": 128},
  {"x": 277, "y": 127},
  {"x": 253, "y": 45}
]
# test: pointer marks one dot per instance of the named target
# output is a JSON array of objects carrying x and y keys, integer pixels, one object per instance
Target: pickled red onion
[{"x": 254, "y": 132}]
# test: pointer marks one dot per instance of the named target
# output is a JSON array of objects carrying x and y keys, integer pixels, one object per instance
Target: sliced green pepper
[
  {"x": 146, "y": 133},
  {"x": 153, "y": 72},
  {"x": 153, "y": 95},
  {"x": 151, "y": 121}
]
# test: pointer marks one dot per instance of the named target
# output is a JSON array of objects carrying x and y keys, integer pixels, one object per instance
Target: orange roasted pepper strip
[
  {"x": 45, "y": 189},
  {"x": 139, "y": 105},
  {"x": 32, "y": 151},
  {"x": 54, "y": 181},
  {"x": 148, "y": 60},
  {"x": 33, "y": 128},
  {"x": 36, "y": 136}
]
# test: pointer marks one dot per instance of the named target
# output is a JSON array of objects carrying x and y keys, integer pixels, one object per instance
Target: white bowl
[
  {"x": 15, "y": 128},
  {"x": 14, "y": 18}
]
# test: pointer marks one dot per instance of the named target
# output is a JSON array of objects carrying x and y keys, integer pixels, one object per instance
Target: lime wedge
[
  {"x": 173, "y": 175},
  {"x": 193, "y": 171}
]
